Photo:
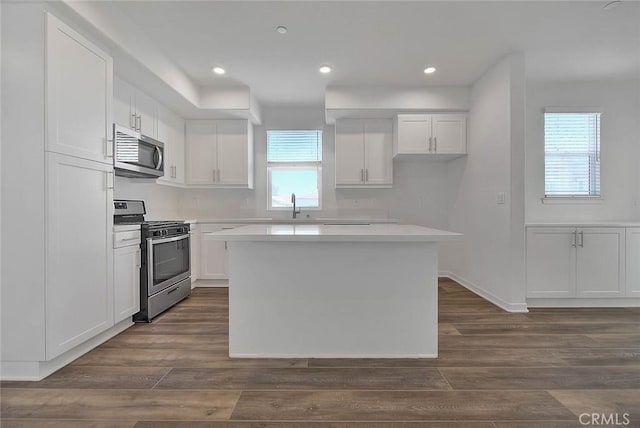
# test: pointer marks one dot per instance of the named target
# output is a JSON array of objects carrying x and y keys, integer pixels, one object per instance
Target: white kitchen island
[{"x": 333, "y": 291}]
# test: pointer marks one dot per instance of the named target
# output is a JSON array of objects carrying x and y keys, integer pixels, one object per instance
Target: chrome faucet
[{"x": 293, "y": 201}]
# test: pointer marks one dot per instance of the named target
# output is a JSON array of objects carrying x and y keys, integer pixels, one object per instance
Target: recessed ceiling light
[
  {"x": 281, "y": 29},
  {"x": 219, "y": 70},
  {"x": 325, "y": 69},
  {"x": 429, "y": 70},
  {"x": 612, "y": 4}
]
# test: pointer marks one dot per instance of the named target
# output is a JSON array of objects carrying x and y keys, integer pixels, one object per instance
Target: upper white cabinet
[
  {"x": 364, "y": 152},
  {"x": 220, "y": 153},
  {"x": 171, "y": 133},
  {"x": 135, "y": 109},
  {"x": 633, "y": 261},
  {"x": 430, "y": 134},
  {"x": 79, "y": 90},
  {"x": 579, "y": 262}
]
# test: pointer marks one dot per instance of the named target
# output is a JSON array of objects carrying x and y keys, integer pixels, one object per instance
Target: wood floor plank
[
  {"x": 170, "y": 341},
  {"x": 516, "y": 342},
  {"x": 398, "y": 406},
  {"x": 487, "y": 357},
  {"x": 444, "y": 328},
  {"x": 618, "y": 340},
  {"x": 544, "y": 328},
  {"x": 63, "y": 423},
  {"x": 497, "y": 318},
  {"x": 543, "y": 378},
  {"x": 605, "y": 401},
  {"x": 237, "y": 424},
  {"x": 600, "y": 357},
  {"x": 105, "y": 356},
  {"x": 100, "y": 377},
  {"x": 539, "y": 424},
  {"x": 179, "y": 328},
  {"x": 305, "y": 378},
  {"x": 189, "y": 317},
  {"x": 121, "y": 404}
]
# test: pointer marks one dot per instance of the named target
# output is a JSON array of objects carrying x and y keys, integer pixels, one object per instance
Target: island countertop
[{"x": 334, "y": 233}]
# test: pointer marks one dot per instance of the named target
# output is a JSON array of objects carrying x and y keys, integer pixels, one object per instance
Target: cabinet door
[
  {"x": 201, "y": 151},
  {"x": 171, "y": 133},
  {"x": 378, "y": 135},
  {"x": 232, "y": 139},
  {"x": 551, "y": 262},
  {"x": 414, "y": 132},
  {"x": 349, "y": 152},
  {"x": 123, "y": 103},
  {"x": 126, "y": 282},
  {"x": 213, "y": 254},
  {"x": 79, "y": 95},
  {"x": 79, "y": 251},
  {"x": 601, "y": 262},
  {"x": 449, "y": 133},
  {"x": 146, "y": 109},
  {"x": 633, "y": 261}
]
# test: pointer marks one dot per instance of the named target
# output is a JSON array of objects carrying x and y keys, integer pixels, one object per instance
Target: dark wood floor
[{"x": 499, "y": 370}]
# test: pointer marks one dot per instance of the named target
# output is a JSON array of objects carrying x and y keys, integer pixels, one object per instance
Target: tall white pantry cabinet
[{"x": 57, "y": 196}]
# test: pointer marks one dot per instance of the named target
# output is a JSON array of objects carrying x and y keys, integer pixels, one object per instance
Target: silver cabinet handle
[
  {"x": 429, "y": 139},
  {"x": 139, "y": 262},
  {"x": 138, "y": 123},
  {"x": 366, "y": 174},
  {"x": 362, "y": 175},
  {"x": 108, "y": 148},
  {"x": 109, "y": 180},
  {"x": 132, "y": 121},
  {"x": 582, "y": 239},
  {"x": 575, "y": 239},
  {"x": 218, "y": 174},
  {"x": 435, "y": 144}
]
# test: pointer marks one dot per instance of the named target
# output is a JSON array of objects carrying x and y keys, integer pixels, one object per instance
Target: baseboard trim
[
  {"x": 509, "y": 307},
  {"x": 290, "y": 356},
  {"x": 38, "y": 370},
  {"x": 623, "y": 302}
]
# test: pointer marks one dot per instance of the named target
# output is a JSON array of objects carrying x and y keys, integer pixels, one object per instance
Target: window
[
  {"x": 572, "y": 154},
  {"x": 294, "y": 165}
]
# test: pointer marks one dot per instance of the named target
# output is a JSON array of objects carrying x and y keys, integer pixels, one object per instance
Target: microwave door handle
[{"x": 159, "y": 157}]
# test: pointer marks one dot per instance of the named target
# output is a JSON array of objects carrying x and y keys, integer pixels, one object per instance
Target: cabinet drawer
[{"x": 124, "y": 239}]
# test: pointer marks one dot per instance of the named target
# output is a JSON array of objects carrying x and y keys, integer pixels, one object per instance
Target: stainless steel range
[{"x": 165, "y": 275}]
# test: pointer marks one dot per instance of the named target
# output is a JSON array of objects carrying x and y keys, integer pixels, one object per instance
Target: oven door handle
[{"x": 154, "y": 241}]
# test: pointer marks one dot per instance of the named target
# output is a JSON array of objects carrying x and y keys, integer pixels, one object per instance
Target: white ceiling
[{"x": 387, "y": 43}]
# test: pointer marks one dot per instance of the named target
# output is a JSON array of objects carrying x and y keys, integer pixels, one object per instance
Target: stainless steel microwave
[{"x": 136, "y": 155}]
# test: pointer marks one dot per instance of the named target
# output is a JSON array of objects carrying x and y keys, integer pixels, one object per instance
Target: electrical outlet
[{"x": 501, "y": 198}]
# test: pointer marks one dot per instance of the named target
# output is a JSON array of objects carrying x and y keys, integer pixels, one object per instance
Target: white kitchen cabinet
[
  {"x": 171, "y": 133},
  {"x": 600, "y": 262},
  {"x": 633, "y": 261},
  {"x": 364, "y": 152},
  {"x": 134, "y": 109},
  {"x": 79, "y": 79},
  {"x": 220, "y": 153},
  {"x": 126, "y": 278},
  {"x": 79, "y": 262},
  {"x": 194, "y": 240},
  {"x": 430, "y": 134},
  {"x": 575, "y": 262},
  {"x": 551, "y": 262},
  {"x": 213, "y": 254}
]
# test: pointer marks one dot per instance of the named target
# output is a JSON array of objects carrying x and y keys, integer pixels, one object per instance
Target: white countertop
[
  {"x": 321, "y": 220},
  {"x": 334, "y": 233},
  {"x": 621, "y": 223}
]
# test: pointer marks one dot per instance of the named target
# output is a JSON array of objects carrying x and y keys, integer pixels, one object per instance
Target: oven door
[{"x": 168, "y": 261}]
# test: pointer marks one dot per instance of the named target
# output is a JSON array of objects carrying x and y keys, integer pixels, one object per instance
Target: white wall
[
  {"x": 483, "y": 261},
  {"x": 620, "y": 149},
  {"x": 161, "y": 201},
  {"x": 418, "y": 195}
]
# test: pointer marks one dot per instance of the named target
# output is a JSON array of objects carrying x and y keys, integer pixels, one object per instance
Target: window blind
[
  {"x": 572, "y": 154},
  {"x": 294, "y": 146}
]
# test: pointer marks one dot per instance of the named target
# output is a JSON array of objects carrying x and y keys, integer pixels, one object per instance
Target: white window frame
[
  {"x": 570, "y": 199},
  {"x": 289, "y": 166},
  {"x": 295, "y": 166}
]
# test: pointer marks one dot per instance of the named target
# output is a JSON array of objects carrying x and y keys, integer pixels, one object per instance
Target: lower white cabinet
[
  {"x": 126, "y": 278},
  {"x": 213, "y": 254},
  {"x": 575, "y": 262},
  {"x": 633, "y": 261},
  {"x": 79, "y": 263}
]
